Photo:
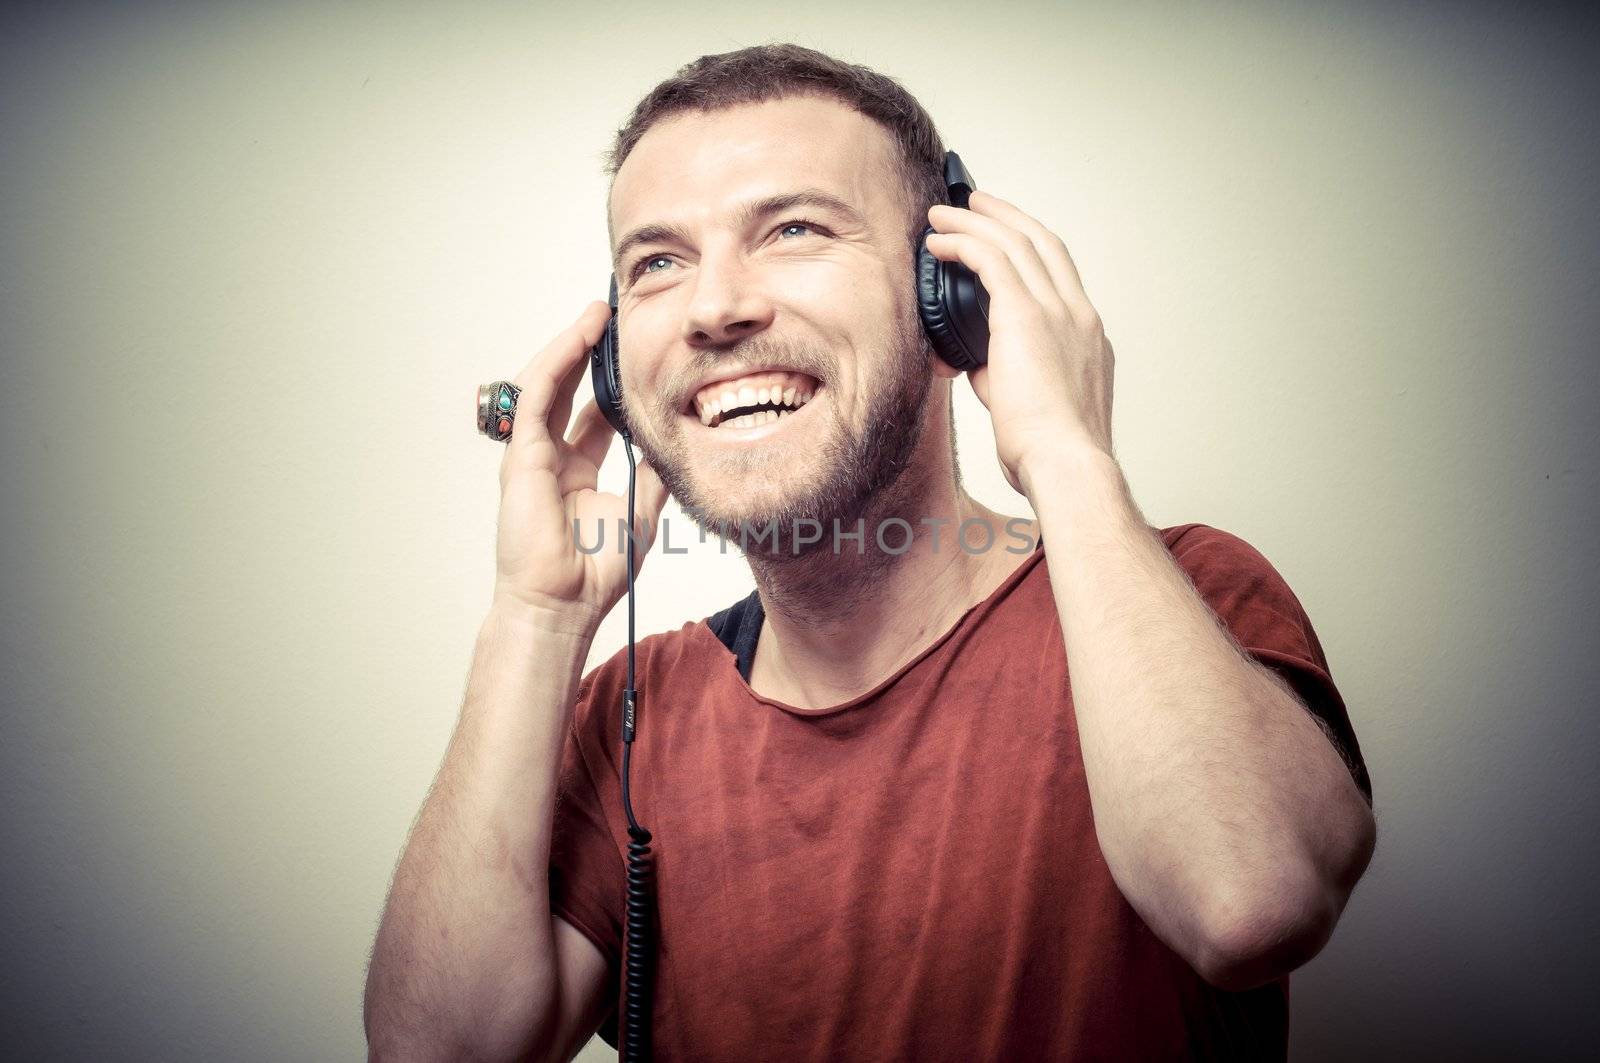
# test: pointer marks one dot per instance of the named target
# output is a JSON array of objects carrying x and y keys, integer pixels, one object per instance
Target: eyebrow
[{"x": 666, "y": 233}]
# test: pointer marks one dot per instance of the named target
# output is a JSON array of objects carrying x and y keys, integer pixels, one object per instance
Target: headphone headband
[{"x": 957, "y": 180}]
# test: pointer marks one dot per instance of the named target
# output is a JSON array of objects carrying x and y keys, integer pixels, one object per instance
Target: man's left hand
[{"x": 1047, "y": 384}]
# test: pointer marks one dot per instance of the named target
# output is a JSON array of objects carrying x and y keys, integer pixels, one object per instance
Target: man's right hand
[
  {"x": 469, "y": 959},
  {"x": 547, "y": 482}
]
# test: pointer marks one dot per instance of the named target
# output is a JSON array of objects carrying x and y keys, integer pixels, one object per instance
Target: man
[{"x": 886, "y": 824}]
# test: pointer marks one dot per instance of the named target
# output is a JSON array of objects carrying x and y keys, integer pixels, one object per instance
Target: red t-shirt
[{"x": 912, "y": 874}]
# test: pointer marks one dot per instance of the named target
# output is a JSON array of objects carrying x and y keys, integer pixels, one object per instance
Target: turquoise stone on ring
[{"x": 497, "y": 405}]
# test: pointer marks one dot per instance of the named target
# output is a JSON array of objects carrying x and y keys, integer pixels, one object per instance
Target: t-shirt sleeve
[
  {"x": 1256, "y": 605},
  {"x": 586, "y": 868}
]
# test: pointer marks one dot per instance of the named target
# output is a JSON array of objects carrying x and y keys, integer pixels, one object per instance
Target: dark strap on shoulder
[{"x": 738, "y": 627}]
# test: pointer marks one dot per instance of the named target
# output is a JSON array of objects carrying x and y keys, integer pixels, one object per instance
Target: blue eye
[{"x": 640, "y": 269}]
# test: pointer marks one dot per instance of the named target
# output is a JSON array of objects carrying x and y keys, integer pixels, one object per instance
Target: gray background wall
[{"x": 255, "y": 260}]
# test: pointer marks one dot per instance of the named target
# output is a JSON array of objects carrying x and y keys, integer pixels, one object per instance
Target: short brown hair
[{"x": 779, "y": 71}]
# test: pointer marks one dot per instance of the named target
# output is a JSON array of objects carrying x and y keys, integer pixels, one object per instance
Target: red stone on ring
[{"x": 505, "y": 424}]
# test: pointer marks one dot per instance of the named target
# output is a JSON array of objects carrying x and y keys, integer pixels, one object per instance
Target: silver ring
[{"x": 497, "y": 409}]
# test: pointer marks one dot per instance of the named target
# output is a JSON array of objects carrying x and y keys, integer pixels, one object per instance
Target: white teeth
[{"x": 712, "y": 406}]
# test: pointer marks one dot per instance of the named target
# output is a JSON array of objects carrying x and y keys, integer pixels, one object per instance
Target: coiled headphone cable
[{"x": 637, "y": 970}]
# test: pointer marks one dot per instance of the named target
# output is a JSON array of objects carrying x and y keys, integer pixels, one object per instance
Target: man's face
[{"x": 801, "y": 312}]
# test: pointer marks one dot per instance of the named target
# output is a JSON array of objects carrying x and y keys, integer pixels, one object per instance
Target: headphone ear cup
[
  {"x": 606, "y": 377},
  {"x": 954, "y": 308},
  {"x": 605, "y": 371}
]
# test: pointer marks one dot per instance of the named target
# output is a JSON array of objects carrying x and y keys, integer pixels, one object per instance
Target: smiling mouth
[{"x": 753, "y": 400}]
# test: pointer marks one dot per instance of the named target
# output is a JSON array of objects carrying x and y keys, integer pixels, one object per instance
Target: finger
[
  {"x": 992, "y": 265},
  {"x": 526, "y": 440},
  {"x": 592, "y": 434},
  {"x": 650, "y": 497},
  {"x": 980, "y": 384},
  {"x": 1014, "y": 245},
  {"x": 561, "y": 410},
  {"x": 1051, "y": 249},
  {"x": 541, "y": 379},
  {"x": 651, "y": 493}
]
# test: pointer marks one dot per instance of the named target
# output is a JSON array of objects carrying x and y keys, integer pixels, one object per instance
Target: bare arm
[
  {"x": 467, "y": 963},
  {"x": 464, "y": 962},
  {"x": 1227, "y": 818}
]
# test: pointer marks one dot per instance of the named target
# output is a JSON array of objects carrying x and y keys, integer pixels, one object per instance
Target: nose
[{"x": 728, "y": 304}]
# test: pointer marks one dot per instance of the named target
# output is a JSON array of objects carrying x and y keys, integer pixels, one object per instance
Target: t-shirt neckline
[{"x": 972, "y": 612}]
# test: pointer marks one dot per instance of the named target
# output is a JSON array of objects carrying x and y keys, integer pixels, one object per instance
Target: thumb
[
  {"x": 979, "y": 379},
  {"x": 651, "y": 493}
]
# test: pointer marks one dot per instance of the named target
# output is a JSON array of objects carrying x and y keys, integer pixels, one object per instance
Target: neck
[{"x": 840, "y": 620}]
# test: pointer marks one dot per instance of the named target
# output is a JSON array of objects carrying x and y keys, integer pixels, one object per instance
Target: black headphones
[{"x": 951, "y": 301}]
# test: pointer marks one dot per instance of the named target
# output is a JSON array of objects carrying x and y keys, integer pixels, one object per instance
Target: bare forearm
[
  {"x": 1225, "y": 815},
  {"x": 463, "y": 965}
]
